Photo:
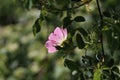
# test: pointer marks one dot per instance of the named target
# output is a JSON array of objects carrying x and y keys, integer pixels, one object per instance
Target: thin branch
[
  {"x": 66, "y": 9},
  {"x": 101, "y": 35},
  {"x": 100, "y": 13}
]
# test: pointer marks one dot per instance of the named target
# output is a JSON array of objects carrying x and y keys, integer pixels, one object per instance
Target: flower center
[{"x": 63, "y": 43}]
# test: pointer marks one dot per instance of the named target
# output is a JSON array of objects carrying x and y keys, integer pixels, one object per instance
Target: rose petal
[
  {"x": 50, "y": 45},
  {"x": 54, "y": 37},
  {"x": 52, "y": 50},
  {"x": 64, "y": 31},
  {"x": 58, "y": 32}
]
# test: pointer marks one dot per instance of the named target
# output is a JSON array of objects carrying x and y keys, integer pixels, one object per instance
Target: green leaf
[
  {"x": 29, "y": 4},
  {"x": 79, "y": 19},
  {"x": 67, "y": 21},
  {"x": 97, "y": 74},
  {"x": 111, "y": 62},
  {"x": 71, "y": 64},
  {"x": 80, "y": 42},
  {"x": 82, "y": 31},
  {"x": 116, "y": 69},
  {"x": 106, "y": 14},
  {"x": 36, "y": 27}
]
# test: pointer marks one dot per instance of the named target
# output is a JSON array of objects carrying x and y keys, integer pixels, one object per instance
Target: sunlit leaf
[{"x": 97, "y": 74}]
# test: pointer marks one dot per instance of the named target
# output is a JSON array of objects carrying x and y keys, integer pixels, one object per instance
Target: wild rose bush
[{"x": 100, "y": 41}]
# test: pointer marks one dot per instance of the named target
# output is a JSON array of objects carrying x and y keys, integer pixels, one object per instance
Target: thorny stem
[{"x": 101, "y": 35}]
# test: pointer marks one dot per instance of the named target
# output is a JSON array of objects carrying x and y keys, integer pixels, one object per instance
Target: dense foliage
[
  {"x": 100, "y": 42},
  {"x": 90, "y": 52}
]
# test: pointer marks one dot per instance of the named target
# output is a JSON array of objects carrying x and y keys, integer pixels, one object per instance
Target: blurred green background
[{"x": 23, "y": 56}]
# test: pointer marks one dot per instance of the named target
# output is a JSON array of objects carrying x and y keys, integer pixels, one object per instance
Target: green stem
[{"x": 101, "y": 35}]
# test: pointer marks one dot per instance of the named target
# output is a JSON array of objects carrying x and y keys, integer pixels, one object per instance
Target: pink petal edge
[
  {"x": 58, "y": 32},
  {"x": 64, "y": 33},
  {"x": 52, "y": 50},
  {"x": 50, "y": 45}
]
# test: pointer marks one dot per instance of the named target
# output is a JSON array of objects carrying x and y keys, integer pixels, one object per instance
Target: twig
[
  {"x": 101, "y": 35},
  {"x": 100, "y": 13},
  {"x": 67, "y": 9}
]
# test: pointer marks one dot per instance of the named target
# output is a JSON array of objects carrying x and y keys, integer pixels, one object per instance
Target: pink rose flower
[{"x": 56, "y": 39}]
